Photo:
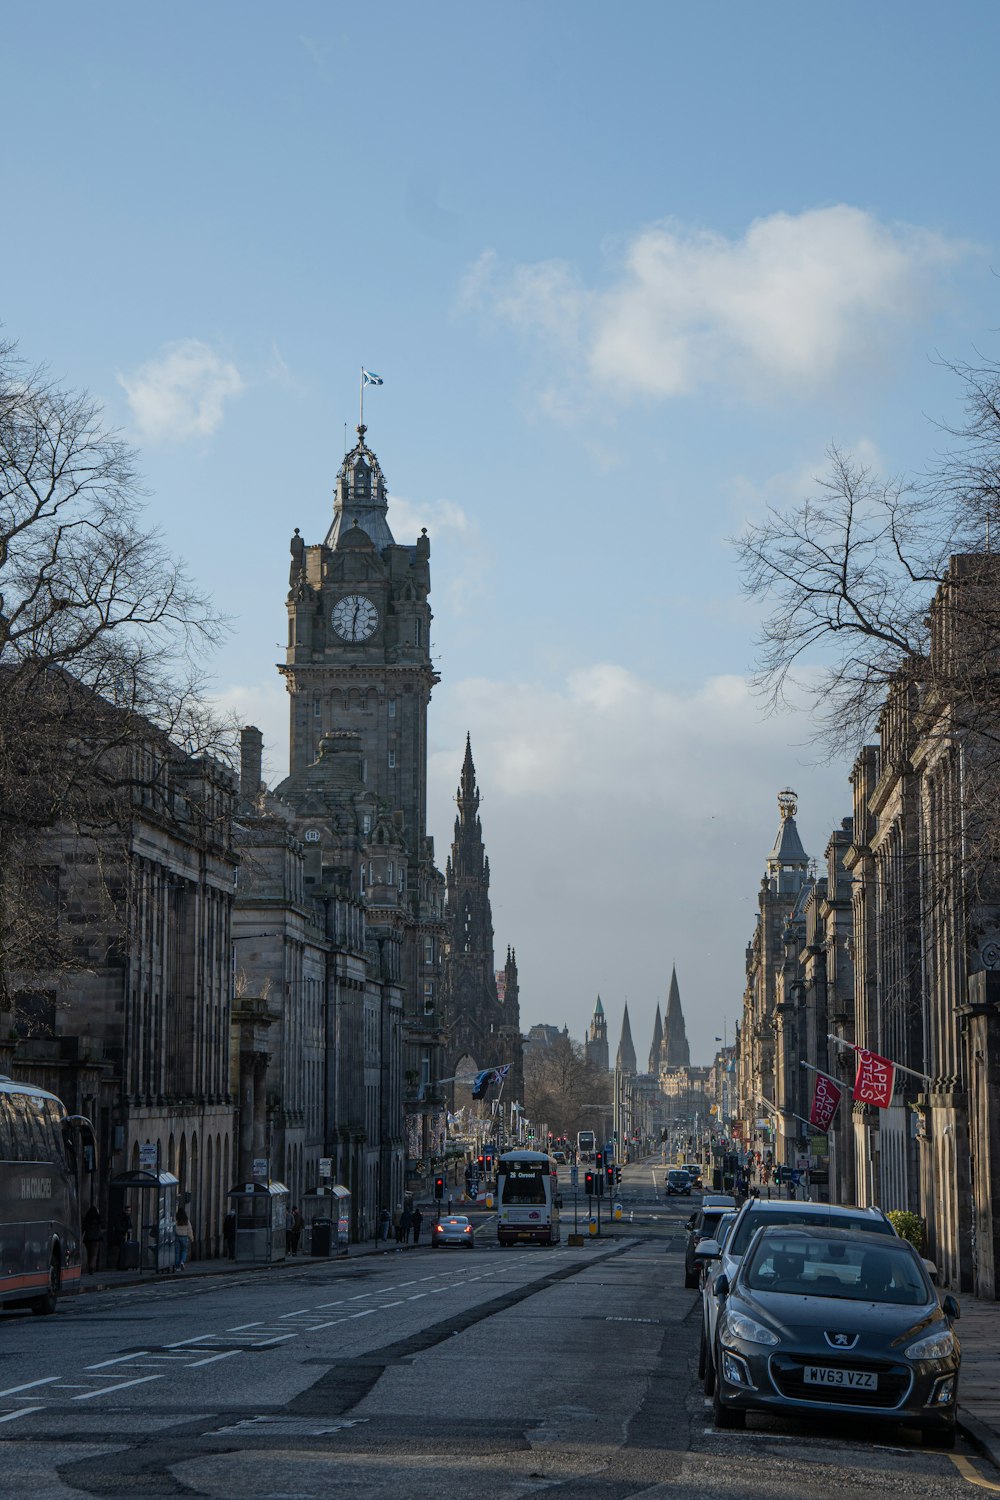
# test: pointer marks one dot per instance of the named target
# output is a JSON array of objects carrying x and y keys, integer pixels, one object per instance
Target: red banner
[
  {"x": 826, "y": 1097},
  {"x": 875, "y": 1079}
]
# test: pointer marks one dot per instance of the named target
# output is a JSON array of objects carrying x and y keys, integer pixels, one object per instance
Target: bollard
[
  {"x": 489, "y": 1200},
  {"x": 593, "y": 1226},
  {"x": 618, "y": 1211}
]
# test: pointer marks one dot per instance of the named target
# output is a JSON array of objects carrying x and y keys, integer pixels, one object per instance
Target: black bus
[{"x": 40, "y": 1245}]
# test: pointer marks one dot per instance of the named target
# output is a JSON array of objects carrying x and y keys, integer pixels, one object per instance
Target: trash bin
[{"x": 321, "y": 1239}]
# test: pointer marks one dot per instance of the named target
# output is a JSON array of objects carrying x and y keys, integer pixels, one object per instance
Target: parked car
[
  {"x": 826, "y": 1320},
  {"x": 704, "y": 1224},
  {"x": 678, "y": 1182},
  {"x": 454, "y": 1229},
  {"x": 758, "y": 1213}
]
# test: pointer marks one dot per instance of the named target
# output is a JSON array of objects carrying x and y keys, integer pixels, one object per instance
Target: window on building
[
  {"x": 389, "y": 876},
  {"x": 420, "y": 632},
  {"x": 429, "y": 950},
  {"x": 392, "y": 708},
  {"x": 366, "y": 823},
  {"x": 317, "y": 706},
  {"x": 392, "y": 760}
]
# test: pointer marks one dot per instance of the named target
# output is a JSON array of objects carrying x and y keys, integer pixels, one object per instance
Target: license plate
[{"x": 855, "y": 1380}]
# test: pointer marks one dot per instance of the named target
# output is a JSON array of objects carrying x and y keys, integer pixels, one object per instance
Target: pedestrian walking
[
  {"x": 182, "y": 1239},
  {"x": 297, "y": 1226},
  {"x": 229, "y": 1235},
  {"x": 406, "y": 1223},
  {"x": 384, "y": 1224},
  {"x": 397, "y": 1223},
  {"x": 288, "y": 1230},
  {"x": 418, "y": 1219},
  {"x": 92, "y": 1236}
]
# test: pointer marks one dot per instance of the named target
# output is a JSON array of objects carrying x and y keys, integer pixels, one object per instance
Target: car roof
[
  {"x": 818, "y": 1232},
  {"x": 718, "y": 1200},
  {"x": 793, "y": 1205}
]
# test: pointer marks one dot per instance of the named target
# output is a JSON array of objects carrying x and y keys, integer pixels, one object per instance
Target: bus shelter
[
  {"x": 142, "y": 1207},
  {"x": 326, "y": 1217},
  {"x": 260, "y": 1209}
]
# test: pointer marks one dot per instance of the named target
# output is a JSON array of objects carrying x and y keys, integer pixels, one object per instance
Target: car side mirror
[
  {"x": 931, "y": 1269},
  {"x": 707, "y": 1250},
  {"x": 950, "y": 1307},
  {"x": 689, "y": 1223},
  {"x": 722, "y": 1286}
]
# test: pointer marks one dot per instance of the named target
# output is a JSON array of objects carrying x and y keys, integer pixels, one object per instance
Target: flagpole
[
  {"x": 839, "y": 1041},
  {"x": 361, "y": 395},
  {"x": 845, "y": 1086}
]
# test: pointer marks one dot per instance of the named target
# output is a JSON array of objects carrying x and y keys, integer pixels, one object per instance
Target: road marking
[
  {"x": 122, "y": 1359},
  {"x": 226, "y": 1354},
  {"x": 300, "y": 1314},
  {"x": 107, "y": 1389},
  {"x": 365, "y": 1312},
  {"x": 25, "y": 1411},
  {"x": 29, "y": 1385},
  {"x": 337, "y": 1303},
  {"x": 968, "y": 1472},
  {"x": 416, "y": 1296},
  {"x": 398, "y": 1303}
]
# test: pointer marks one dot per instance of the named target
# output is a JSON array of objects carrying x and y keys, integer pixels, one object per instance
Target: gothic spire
[
  {"x": 361, "y": 498},
  {"x": 625, "y": 1061},
  {"x": 467, "y": 796},
  {"x": 676, "y": 1051},
  {"x": 657, "y": 1047},
  {"x": 787, "y": 863}
]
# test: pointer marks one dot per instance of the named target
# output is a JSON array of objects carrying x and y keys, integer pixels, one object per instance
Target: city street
[{"x": 501, "y": 1372}]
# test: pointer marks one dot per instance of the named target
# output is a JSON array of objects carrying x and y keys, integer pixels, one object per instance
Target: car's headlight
[
  {"x": 738, "y": 1326},
  {"x": 936, "y": 1346}
]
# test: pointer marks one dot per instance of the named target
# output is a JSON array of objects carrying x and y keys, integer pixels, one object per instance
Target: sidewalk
[{"x": 978, "y": 1331}]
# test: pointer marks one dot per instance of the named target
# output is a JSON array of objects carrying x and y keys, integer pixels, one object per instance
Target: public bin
[
  {"x": 321, "y": 1237},
  {"x": 260, "y": 1209}
]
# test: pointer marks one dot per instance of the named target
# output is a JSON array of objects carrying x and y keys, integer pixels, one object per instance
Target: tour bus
[
  {"x": 40, "y": 1247},
  {"x": 527, "y": 1198},
  {"x": 586, "y": 1145}
]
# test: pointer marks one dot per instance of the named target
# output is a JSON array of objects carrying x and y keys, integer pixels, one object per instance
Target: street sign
[
  {"x": 147, "y": 1157},
  {"x": 574, "y": 1176},
  {"x": 260, "y": 1166},
  {"x": 326, "y": 1166}
]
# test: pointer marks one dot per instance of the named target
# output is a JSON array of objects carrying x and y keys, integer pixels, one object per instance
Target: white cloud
[
  {"x": 181, "y": 393},
  {"x": 792, "y": 304},
  {"x": 408, "y": 517},
  {"x": 627, "y": 828}
]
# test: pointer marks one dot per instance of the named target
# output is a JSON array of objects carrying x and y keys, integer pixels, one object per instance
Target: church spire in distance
[
  {"x": 676, "y": 1051},
  {"x": 657, "y": 1046},
  {"x": 625, "y": 1061}
]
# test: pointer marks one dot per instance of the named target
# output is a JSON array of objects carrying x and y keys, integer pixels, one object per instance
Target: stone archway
[{"x": 466, "y": 1067}]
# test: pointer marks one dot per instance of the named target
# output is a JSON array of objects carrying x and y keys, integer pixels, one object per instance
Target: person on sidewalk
[
  {"x": 297, "y": 1227},
  {"x": 418, "y": 1219},
  {"x": 384, "y": 1224},
  {"x": 182, "y": 1239},
  {"x": 92, "y": 1236},
  {"x": 407, "y": 1223},
  {"x": 397, "y": 1223}
]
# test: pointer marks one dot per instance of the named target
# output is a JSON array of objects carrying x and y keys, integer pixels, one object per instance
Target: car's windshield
[
  {"x": 710, "y": 1220},
  {"x": 763, "y": 1217},
  {"x": 813, "y": 1266},
  {"x": 678, "y": 1176}
]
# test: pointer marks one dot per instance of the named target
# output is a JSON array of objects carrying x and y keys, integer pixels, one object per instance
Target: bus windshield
[{"x": 523, "y": 1183}]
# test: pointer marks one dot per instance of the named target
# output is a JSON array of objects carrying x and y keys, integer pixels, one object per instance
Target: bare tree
[
  {"x": 561, "y": 1087},
  {"x": 103, "y": 637}
]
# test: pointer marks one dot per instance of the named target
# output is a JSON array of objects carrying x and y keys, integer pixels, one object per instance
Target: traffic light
[
  {"x": 439, "y": 1188},
  {"x": 588, "y": 1181},
  {"x": 482, "y": 1163},
  {"x": 611, "y": 1174},
  {"x": 598, "y": 1159},
  {"x": 618, "y": 1174}
]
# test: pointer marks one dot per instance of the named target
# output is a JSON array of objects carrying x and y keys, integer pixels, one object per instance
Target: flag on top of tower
[{"x": 368, "y": 378}]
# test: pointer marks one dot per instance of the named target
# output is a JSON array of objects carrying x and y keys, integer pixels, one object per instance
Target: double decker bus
[
  {"x": 527, "y": 1198},
  {"x": 586, "y": 1145},
  {"x": 40, "y": 1241}
]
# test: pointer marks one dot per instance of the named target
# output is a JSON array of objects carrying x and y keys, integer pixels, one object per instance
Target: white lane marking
[
  {"x": 360, "y": 1297},
  {"x": 29, "y": 1385},
  {"x": 365, "y": 1313},
  {"x": 227, "y": 1354},
  {"x": 331, "y": 1323},
  {"x": 238, "y": 1327},
  {"x": 122, "y": 1359},
  {"x": 337, "y": 1303},
  {"x": 416, "y": 1296},
  {"x": 26, "y": 1411},
  {"x": 201, "y": 1338},
  {"x": 107, "y": 1389},
  {"x": 404, "y": 1283},
  {"x": 300, "y": 1314},
  {"x": 398, "y": 1302}
]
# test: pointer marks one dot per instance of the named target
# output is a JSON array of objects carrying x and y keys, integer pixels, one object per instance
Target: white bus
[
  {"x": 586, "y": 1145},
  {"x": 527, "y": 1198},
  {"x": 39, "y": 1197}
]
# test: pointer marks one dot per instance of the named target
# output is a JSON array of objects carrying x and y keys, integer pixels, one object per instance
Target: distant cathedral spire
[
  {"x": 596, "y": 1045},
  {"x": 625, "y": 1061},
  {"x": 676, "y": 1051},
  {"x": 657, "y": 1047}
]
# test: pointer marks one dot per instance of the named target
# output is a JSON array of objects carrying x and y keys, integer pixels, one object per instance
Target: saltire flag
[
  {"x": 481, "y": 1082},
  {"x": 368, "y": 378},
  {"x": 875, "y": 1078},
  {"x": 825, "y": 1102}
]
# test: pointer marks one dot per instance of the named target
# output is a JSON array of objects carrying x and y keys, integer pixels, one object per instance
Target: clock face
[{"x": 354, "y": 617}]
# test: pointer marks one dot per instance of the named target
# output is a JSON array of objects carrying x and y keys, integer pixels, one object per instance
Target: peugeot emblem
[{"x": 841, "y": 1340}]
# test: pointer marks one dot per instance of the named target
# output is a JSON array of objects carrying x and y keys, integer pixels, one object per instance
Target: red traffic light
[
  {"x": 588, "y": 1179},
  {"x": 439, "y": 1187}
]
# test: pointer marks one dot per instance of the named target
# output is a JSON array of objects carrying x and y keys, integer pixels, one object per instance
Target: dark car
[
  {"x": 678, "y": 1181},
  {"x": 702, "y": 1225},
  {"x": 836, "y": 1321}
]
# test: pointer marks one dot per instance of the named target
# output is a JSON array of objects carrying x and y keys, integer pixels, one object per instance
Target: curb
[{"x": 982, "y": 1438}]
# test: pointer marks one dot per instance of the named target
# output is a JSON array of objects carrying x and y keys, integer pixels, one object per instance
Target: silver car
[{"x": 453, "y": 1229}]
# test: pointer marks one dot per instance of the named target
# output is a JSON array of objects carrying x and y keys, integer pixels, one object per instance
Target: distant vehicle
[
  {"x": 702, "y": 1225},
  {"x": 39, "y": 1197},
  {"x": 560, "y": 1157},
  {"x": 678, "y": 1182},
  {"x": 586, "y": 1144},
  {"x": 694, "y": 1172},
  {"x": 528, "y": 1200},
  {"x": 454, "y": 1229},
  {"x": 755, "y": 1214},
  {"x": 836, "y": 1322}
]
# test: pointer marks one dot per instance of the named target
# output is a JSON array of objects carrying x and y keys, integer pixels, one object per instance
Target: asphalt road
[{"x": 419, "y": 1374}]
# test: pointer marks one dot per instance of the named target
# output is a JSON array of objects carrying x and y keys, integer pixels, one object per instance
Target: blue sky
[{"x": 626, "y": 272}]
